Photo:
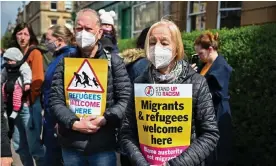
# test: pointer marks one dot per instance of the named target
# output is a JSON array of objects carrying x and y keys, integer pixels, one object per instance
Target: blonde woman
[
  {"x": 164, "y": 50},
  {"x": 59, "y": 41}
]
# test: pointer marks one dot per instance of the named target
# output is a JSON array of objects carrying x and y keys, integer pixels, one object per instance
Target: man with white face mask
[{"x": 91, "y": 140}]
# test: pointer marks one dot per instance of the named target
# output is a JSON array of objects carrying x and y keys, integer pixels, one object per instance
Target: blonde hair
[
  {"x": 64, "y": 33},
  {"x": 93, "y": 12},
  {"x": 176, "y": 37}
]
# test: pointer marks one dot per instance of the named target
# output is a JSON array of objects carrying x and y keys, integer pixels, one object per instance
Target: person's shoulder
[
  {"x": 140, "y": 64},
  {"x": 73, "y": 51},
  {"x": 143, "y": 77},
  {"x": 35, "y": 52},
  {"x": 142, "y": 61},
  {"x": 115, "y": 57},
  {"x": 221, "y": 65},
  {"x": 222, "y": 60}
]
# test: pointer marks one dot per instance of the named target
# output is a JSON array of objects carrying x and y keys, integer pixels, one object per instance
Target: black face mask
[{"x": 12, "y": 66}]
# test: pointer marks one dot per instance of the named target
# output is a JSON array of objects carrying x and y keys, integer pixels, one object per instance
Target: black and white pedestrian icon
[
  {"x": 78, "y": 78},
  {"x": 85, "y": 79}
]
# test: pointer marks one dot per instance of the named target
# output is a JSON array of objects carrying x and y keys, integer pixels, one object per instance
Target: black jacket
[
  {"x": 204, "y": 133},
  {"x": 118, "y": 94},
  {"x": 5, "y": 140},
  {"x": 136, "y": 62}
]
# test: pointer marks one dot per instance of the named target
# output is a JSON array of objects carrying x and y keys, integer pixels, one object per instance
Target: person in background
[
  {"x": 217, "y": 72},
  {"x": 2, "y": 59},
  {"x": 91, "y": 141},
  {"x": 165, "y": 51},
  {"x": 70, "y": 27},
  {"x": 6, "y": 154},
  {"x": 109, "y": 39},
  {"x": 47, "y": 55},
  {"x": 15, "y": 79},
  {"x": 135, "y": 59},
  {"x": 59, "y": 41},
  {"x": 28, "y": 124}
]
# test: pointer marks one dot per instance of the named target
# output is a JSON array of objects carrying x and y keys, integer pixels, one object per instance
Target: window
[
  {"x": 53, "y": 5},
  {"x": 69, "y": 22},
  {"x": 229, "y": 14},
  {"x": 196, "y": 15},
  {"x": 68, "y": 5},
  {"x": 53, "y": 21},
  {"x": 144, "y": 15}
]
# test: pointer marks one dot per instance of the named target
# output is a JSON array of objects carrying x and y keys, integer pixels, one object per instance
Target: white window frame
[
  {"x": 189, "y": 15},
  {"x": 68, "y": 4},
  {"x": 224, "y": 9},
  {"x": 51, "y": 5},
  {"x": 132, "y": 17}
]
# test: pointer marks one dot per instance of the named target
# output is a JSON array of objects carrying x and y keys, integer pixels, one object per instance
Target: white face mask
[
  {"x": 85, "y": 39},
  {"x": 160, "y": 57}
]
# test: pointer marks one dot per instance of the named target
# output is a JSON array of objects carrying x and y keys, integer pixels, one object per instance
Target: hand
[
  {"x": 85, "y": 126},
  {"x": 6, "y": 161},
  {"x": 99, "y": 121},
  {"x": 27, "y": 87},
  {"x": 194, "y": 66}
]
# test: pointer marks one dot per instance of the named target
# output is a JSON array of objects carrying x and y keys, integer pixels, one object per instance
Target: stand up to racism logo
[{"x": 149, "y": 91}]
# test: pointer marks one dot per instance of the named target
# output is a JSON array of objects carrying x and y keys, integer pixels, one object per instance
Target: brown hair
[
  {"x": 64, "y": 33},
  {"x": 114, "y": 33},
  {"x": 207, "y": 40},
  {"x": 21, "y": 26}
]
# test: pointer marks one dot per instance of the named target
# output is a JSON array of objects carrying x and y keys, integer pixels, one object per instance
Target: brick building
[
  {"x": 43, "y": 14},
  {"x": 133, "y": 16}
]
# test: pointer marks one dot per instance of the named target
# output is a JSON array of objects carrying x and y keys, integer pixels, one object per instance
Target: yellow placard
[
  {"x": 164, "y": 116},
  {"x": 85, "y": 85}
]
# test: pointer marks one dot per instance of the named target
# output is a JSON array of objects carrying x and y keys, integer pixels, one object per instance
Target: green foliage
[
  {"x": 6, "y": 41},
  {"x": 251, "y": 52},
  {"x": 73, "y": 15},
  {"x": 126, "y": 44}
]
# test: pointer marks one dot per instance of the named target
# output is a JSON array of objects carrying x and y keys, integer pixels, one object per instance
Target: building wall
[
  {"x": 251, "y": 13},
  {"x": 211, "y": 15},
  {"x": 39, "y": 15},
  {"x": 179, "y": 13},
  {"x": 47, "y": 16},
  {"x": 19, "y": 18},
  {"x": 82, "y": 4},
  {"x": 258, "y": 12}
]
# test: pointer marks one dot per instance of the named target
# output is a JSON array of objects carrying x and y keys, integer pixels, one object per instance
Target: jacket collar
[
  {"x": 218, "y": 63},
  {"x": 100, "y": 50},
  {"x": 63, "y": 50},
  {"x": 186, "y": 74}
]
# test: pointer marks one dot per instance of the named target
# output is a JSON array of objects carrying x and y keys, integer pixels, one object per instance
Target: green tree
[
  {"x": 6, "y": 41},
  {"x": 73, "y": 15}
]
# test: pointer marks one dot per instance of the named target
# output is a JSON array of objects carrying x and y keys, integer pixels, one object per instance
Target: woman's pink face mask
[{"x": 107, "y": 28}]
